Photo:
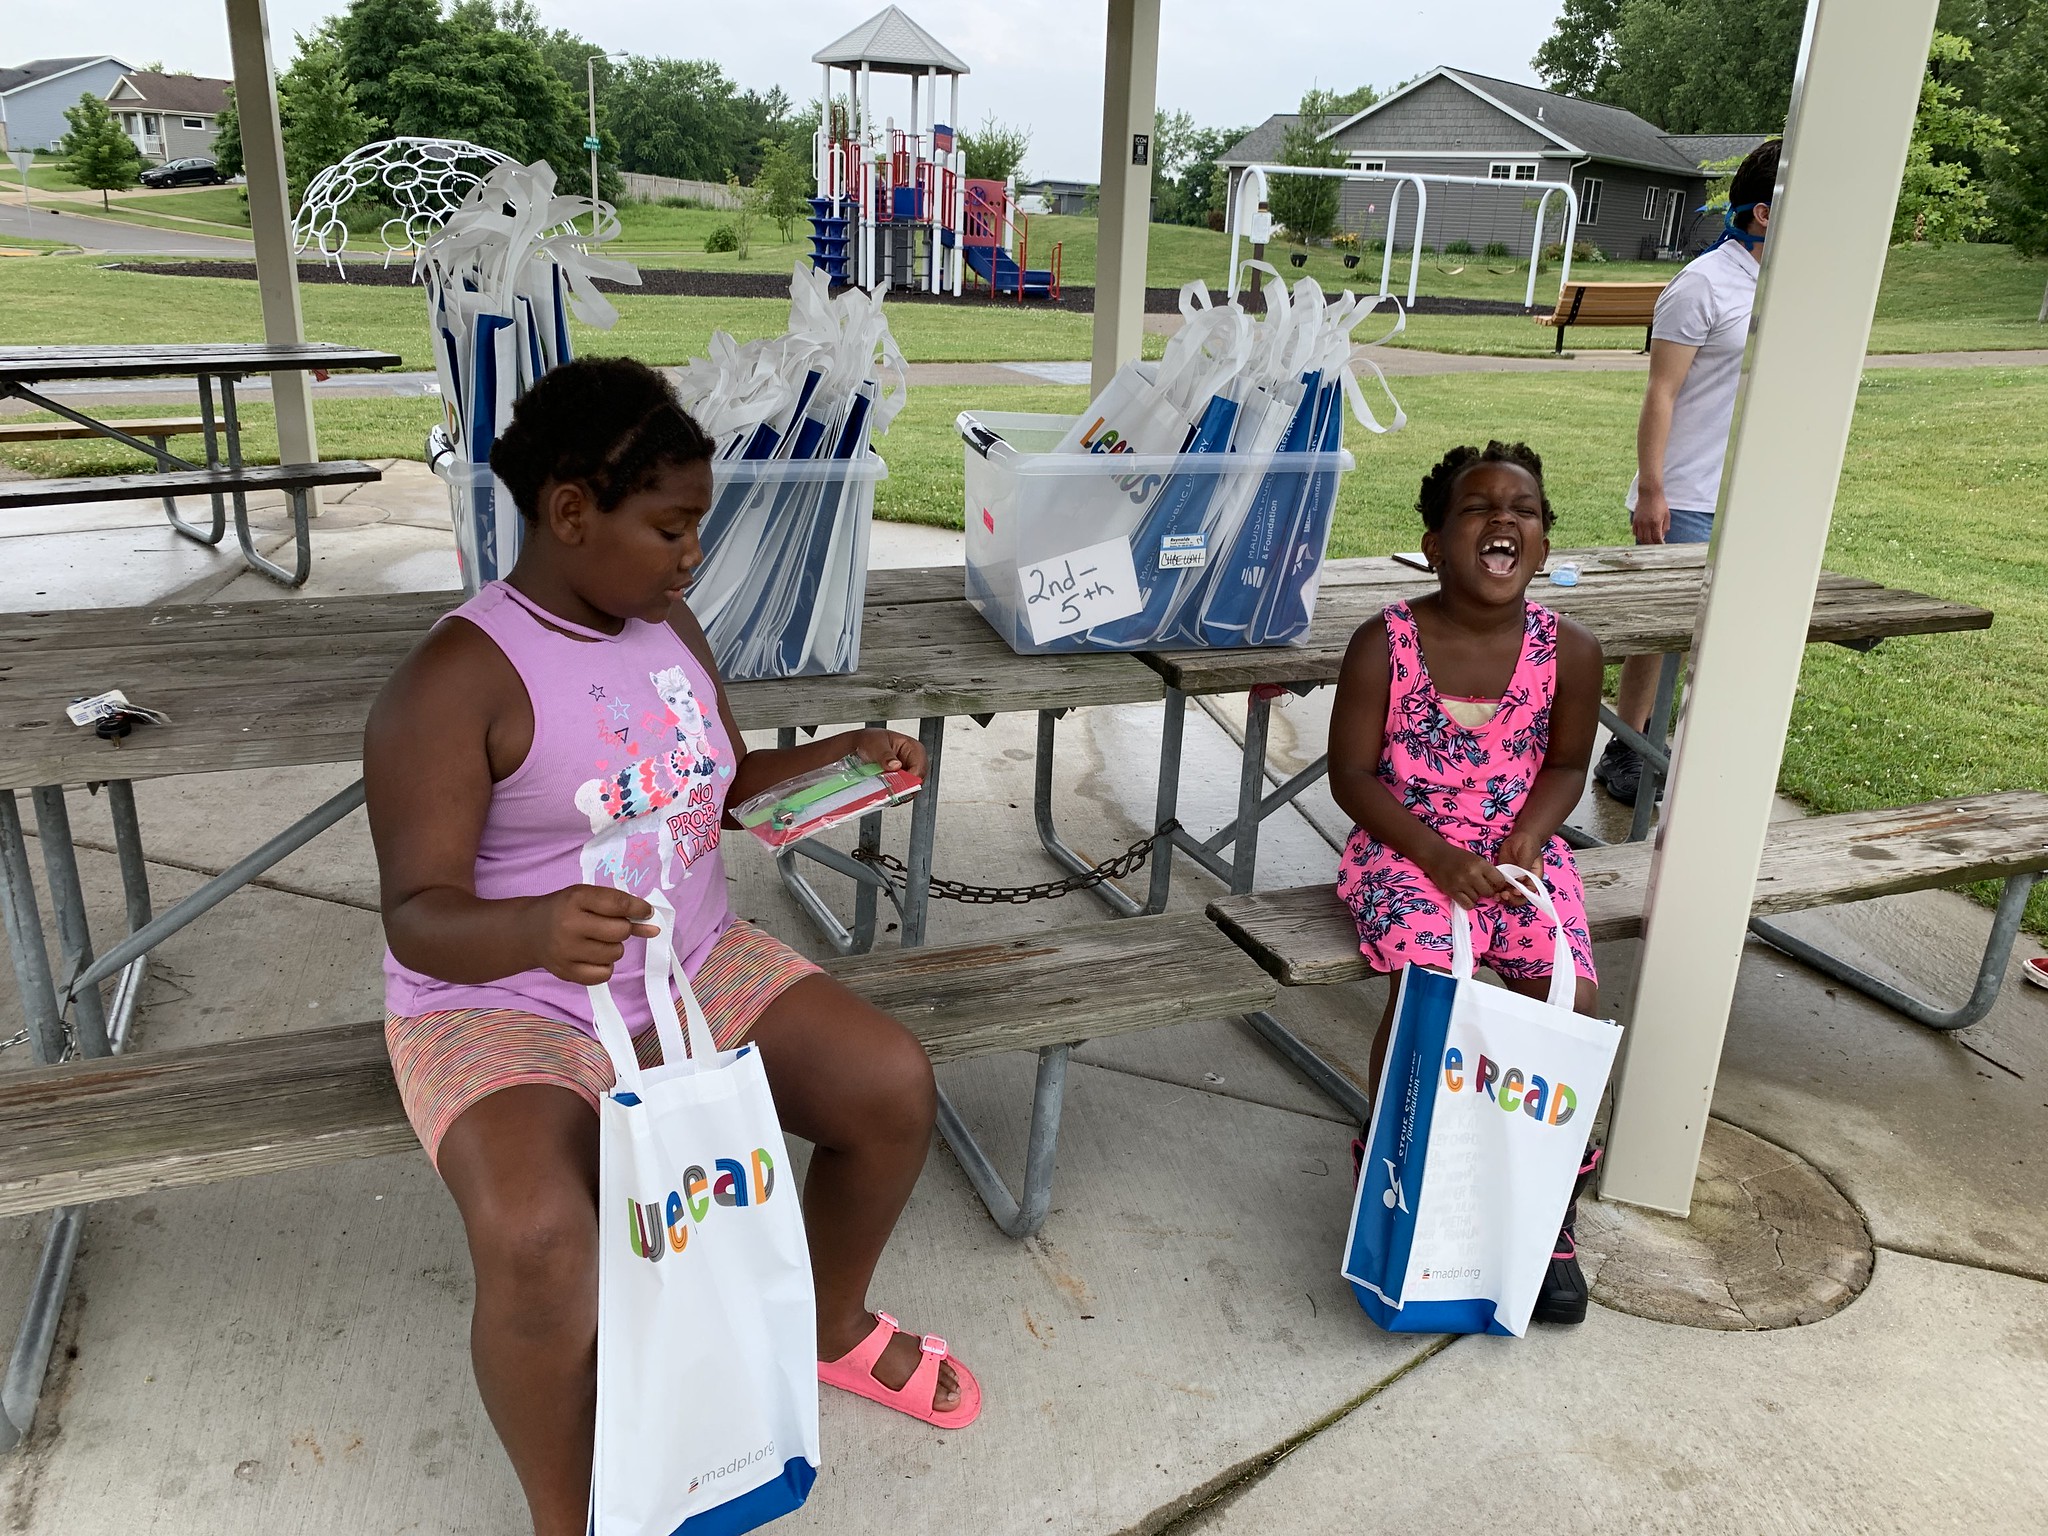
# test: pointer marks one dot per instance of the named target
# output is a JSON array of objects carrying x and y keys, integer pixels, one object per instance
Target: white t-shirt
[{"x": 1706, "y": 306}]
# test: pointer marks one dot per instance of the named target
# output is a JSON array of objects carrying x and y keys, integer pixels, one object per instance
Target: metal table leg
[
  {"x": 1048, "y": 831},
  {"x": 924, "y": 832},
  {"x": 1018, "y": 1217},
  {"x": 220, "y": 513},
  {"x": 25, "y": 939},
  {"x": 1324, "y": 1078},
  {"x": 2005, "y": 927},
  {"x": 60, "y": 863},
  {"x": 302, "y": 565}
]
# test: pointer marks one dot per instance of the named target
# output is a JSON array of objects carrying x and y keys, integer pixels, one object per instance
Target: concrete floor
[{"x": 288, "y": 1354}]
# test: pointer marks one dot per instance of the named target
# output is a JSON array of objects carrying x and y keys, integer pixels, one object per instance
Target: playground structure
[
  {"x": 1250, "y": 218},
  {"x": 894, "y": 207}
]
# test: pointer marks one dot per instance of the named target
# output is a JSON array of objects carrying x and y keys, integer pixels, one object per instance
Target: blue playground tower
[{"x": 894, "y": 208}]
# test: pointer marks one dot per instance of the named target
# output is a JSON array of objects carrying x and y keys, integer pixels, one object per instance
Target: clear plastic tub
[
  {"x": 1126, "y": 552},
  {"x": 786, "y": 565}
]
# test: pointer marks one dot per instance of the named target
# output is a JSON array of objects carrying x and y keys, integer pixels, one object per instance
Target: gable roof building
[
  {"x": 170, "y": 117},
  {"x": 34, "y": 96},
  {"x": 1639, "y": 189}
]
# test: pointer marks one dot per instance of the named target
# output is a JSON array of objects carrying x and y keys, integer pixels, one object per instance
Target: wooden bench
[
  {"x": 1305, "y": 936},
  {"x": 1604, "y": 304},
  {"x": 159, "y": 429},
  {"x": 122, "y": 1125},
  {"x": 295, "y": 480}
]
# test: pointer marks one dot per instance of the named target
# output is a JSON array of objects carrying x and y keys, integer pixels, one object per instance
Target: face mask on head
[{"x": 1730, "y": 230}]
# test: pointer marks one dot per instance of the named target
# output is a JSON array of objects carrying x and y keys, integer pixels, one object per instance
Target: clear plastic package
[{"x": 813, "y": 802}]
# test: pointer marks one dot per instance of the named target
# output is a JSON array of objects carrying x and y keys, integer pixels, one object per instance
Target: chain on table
[{"x": 1128, "y": 862}]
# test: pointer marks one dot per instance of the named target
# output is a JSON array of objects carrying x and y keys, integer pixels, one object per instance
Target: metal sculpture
[{"x": 422, "y": 180}]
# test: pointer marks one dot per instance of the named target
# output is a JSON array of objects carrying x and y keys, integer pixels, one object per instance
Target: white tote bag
[
  {"x": 707, "y": 1339},
  {"x": 1477, "y": 1133}
]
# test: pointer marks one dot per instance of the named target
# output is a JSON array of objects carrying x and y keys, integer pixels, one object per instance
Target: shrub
[
  {"x": 721, "y": 239},
  {"x": 1582, "y": 250},
  {"x": 1498, "y": 250},
  {"x": 1377, "y": 243},
  {"x": 683, "y": 202},
  {"x": 1429, "y": 250},
  {"x": 1216, "y": 219},
  {"x": 1458, "y": 248}
]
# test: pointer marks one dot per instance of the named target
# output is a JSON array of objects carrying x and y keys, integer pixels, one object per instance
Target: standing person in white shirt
[{"x": 1696, "y": 346}]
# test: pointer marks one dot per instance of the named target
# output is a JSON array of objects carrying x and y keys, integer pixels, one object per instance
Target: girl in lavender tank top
[
  {"x": 1459, "y": 741},
  {"x": 556, "y": 750}
]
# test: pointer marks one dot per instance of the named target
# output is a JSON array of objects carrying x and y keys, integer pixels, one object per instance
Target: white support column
[
  {"x": 824, "y": 166},
  {"x": 270, "y": 222},
  {"x": 868, "y": 180},
  {"x": 1130, "y": 79},
  {"x": 1853, "y": 103},
  {"x": 959, "y": 161}
]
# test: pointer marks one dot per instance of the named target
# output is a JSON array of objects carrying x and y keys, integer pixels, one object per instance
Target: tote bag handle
[
  {"x": 696, "y": 1049},
  {"x": 1564, "y": 974}
]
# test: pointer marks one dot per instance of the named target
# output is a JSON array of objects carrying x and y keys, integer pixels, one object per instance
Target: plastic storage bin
[
  {"x": 1128, "y": 552},
  {"x": 786, "y": 565}
]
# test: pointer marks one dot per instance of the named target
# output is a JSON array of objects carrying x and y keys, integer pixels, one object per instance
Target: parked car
[{"x": 183, "y": 173}]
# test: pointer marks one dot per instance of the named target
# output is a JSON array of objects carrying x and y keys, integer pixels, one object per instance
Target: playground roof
[{"x": 890, "y": 43}]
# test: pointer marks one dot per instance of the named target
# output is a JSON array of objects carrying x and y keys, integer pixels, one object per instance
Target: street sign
[
  {"x": 592, "y": 144},
  {"x": 22, "y": 158}
]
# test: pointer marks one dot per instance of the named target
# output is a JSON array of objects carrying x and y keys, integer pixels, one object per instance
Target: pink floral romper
[{"x": 1468, "y": 784}]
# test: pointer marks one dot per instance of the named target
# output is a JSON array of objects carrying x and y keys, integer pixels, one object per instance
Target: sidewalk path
[{"x": 111, "y": 235}]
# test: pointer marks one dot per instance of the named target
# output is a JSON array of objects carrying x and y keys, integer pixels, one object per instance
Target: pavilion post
[
  {"x": 270, "y": 225},
  {"x": 1853, "y": 103},
  {"x": 1130, "y": 77}
]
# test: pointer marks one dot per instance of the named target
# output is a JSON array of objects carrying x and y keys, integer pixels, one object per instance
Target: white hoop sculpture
[{"x": 425, "y": 180}]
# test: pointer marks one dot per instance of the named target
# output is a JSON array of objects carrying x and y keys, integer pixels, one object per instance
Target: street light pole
[{"x": 590, "y": 72}]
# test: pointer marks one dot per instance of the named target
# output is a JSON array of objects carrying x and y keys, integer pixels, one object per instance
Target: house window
[
  {"x": 1650, "y": 195},
  {"x": 1512, "y": 170},
  {"x": 195, "y": 122},
  {"x": 152, "y": 124},
  {"x": 1369, "y": 165},
  {"x": 128, "y": 123},
  {"x": 1589, "y": 200}
]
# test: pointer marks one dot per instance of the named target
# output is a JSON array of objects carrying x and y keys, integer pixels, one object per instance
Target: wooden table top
[
  {"x": 286, "y": 682},
  {"x": 290, "y": 681},
  {"x": 1636, "y": 601},
  {"x": 142, "y": 361}
]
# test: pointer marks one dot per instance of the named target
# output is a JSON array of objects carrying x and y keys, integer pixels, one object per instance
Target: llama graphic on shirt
[{"x": 662, "y": 802}]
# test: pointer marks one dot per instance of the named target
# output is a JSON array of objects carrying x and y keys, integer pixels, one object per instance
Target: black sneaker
[
  {"x": 1619, "y": 771},
  {"x": 1563, "y": 1296}
]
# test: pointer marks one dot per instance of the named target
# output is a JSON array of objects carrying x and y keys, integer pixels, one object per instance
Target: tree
[
  {"x": 1307, "y": 205},
  {"x": 1350, "y": 103},
  {"x": 995, "y": 151},
  {"x": 1187, "y": 193},
  {"x": 1706, "y": 66},
  {"x": 2016, "y": 87},
  {"x": 227, "y": 138},
  {"x": 97, "y": 153},
  {"x": 753, "y": 201},
  {"x": 685, "y": 118},
  {"x": 316, "y": 108},
  {"x": 1578, "y": 56},
  {"x": 1939, "y": 200},
  {"x": 1172, "y": 135},
  {"x": 474, "y": 81},
  {"x": 373, "y": 36},
  {"x": 786, "y": 181}
]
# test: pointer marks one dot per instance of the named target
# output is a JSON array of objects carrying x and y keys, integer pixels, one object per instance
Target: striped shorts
[{"x": 446, "y": 1062}]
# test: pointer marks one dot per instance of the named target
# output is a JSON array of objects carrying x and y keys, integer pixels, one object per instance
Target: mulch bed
[{"x": 678, "y": 282}]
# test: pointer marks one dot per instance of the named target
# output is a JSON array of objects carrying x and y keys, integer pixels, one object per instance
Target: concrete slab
[{"x": 1855, "y": 1424}]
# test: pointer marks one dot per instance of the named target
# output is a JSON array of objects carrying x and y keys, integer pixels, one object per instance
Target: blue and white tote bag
[
  {"x": 707, "y": 1337},
  {"x": 1478, "y": 1128}
]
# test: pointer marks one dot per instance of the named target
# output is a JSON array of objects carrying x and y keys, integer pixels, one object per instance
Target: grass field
[{"x": 1945, "y": 490}]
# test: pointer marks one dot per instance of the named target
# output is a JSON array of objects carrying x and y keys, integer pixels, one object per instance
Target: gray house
[
  {"x": 34, "y": 96},
  {"x": 1639, "y": 188},
  {"x": 170, "y": 117}
]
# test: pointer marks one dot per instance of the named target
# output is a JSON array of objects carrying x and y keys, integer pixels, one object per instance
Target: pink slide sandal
[{"x": 854, "y": 1372}]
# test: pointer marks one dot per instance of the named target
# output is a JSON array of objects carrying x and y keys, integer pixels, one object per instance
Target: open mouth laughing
[{"x": 1500, "y": 555}]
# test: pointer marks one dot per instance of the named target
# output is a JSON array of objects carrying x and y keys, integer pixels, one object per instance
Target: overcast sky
[{"x": 1034, "y": 62}]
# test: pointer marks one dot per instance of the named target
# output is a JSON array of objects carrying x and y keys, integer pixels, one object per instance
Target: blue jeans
[{"x": 1689, "y": 527}]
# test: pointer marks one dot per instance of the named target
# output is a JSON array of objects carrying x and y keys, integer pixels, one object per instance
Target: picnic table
[{"x": 208, "y": 364}]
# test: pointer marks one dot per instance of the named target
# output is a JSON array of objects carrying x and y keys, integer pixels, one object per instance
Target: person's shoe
[
  {"x": 1563, "y": 1296},
  {"x": 2035, "y": 971},
  {"x": 1619, "y": 771}
]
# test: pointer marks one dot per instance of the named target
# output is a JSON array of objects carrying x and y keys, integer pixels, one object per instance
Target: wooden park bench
[
  {"x": 295, "y": 480},
  {"x": 121, "y": 1125},
  {"x": 1305, "y": 936},
  {"x": 1604, "y": 304},
  {"x": 157, "y": 429}
]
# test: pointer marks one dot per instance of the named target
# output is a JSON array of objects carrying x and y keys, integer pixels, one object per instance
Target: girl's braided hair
[
  {"x": 1435, "y": 500},
  {"x": 610, "y": 422}
]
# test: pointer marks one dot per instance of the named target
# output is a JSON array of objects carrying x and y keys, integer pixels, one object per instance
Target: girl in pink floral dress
[{"x": 1463, "y": 728}]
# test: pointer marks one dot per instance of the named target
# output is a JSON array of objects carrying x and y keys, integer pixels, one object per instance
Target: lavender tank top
[{"x": 624, "y": 785}]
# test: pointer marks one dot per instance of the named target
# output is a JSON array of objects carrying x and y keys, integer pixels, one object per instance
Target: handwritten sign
[{"x": 1074, "y": 592}]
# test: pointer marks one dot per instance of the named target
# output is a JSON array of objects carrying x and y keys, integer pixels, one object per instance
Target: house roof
[
  {"x": 1704, "y": 149},
  {"x": 14, "y": 77},
  {"x": 893, "y": 44},
  {"x": 1573, "y": 124},
  {"x": 171, "y": 93},
  {"x": 1262, "y": 145}
]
